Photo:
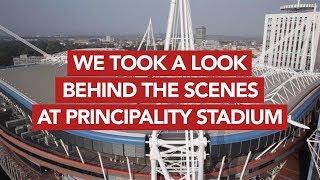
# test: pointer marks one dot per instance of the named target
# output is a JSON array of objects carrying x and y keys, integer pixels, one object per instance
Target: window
[
  {"x": 236, "y": 149},
  {"x": 97, "y": 146},
  {"x": 107, "y": 148},
  {"x": 87, "y": 143},
  {"x": 245, "y": 148},
  {"x": 117, "y": 149},
  {"x": 263, "y": 142},
  {"x": 225, "y": 150},
  {"x": 80, "y": 141},
  {"x": 270, "y": 140},
  {"x": 254, "y": 144},
  {"x": 215, "y": 151}
]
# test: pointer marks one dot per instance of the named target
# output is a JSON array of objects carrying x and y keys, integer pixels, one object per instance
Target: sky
[{"x": 118, "y": 17}]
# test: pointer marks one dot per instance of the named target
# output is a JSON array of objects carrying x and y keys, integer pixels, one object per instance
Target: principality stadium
[{"x": 28, "y": 154}]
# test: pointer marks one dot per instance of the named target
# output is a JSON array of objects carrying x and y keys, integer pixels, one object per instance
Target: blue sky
[{"x": 104, "y": 17}]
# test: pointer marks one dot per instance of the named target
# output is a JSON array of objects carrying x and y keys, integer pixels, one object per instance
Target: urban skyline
[{"x": 115, "y": 18}]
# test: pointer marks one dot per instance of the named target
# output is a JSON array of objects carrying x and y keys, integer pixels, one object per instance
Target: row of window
[
  {"x": 242, "y": 148},
  {"x": 259, "y": 144},
  {"x": 293, "y": 60},
  {"x": 105, "y": 147},
  {"x": 288, "y": 53}
]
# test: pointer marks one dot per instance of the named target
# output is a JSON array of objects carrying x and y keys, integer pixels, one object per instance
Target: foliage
[{"x": 10, "y": 49}]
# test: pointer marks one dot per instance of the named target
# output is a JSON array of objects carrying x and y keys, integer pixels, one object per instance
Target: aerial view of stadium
[{"x": 288, "y": 60}]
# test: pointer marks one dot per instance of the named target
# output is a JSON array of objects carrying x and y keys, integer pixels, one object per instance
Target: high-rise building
[
  {"x": 109, "y": 39},
  {"x": 291, "y": 38},
  {"x": 200, "y": 36}
]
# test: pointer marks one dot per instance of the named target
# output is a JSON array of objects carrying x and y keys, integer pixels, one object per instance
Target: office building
[
  {"x": 291, "y": 38},
  {"x": 200, "y": 36}
]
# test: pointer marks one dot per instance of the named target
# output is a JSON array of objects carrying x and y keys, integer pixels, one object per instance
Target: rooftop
[{"x": 298, "y": 7}]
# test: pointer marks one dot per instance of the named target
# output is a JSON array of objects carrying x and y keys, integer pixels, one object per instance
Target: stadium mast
[
  {"x": 183, "y": 157},
  {"x": 148, "y": 38}
]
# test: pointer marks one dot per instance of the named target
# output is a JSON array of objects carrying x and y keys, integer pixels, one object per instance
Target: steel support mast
[
  {"x": 184, "y": 157},
  {"x": 314, "y": 147},
  {"x": 179, "y": 29},
  {"x": 148, "y": 38}
]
